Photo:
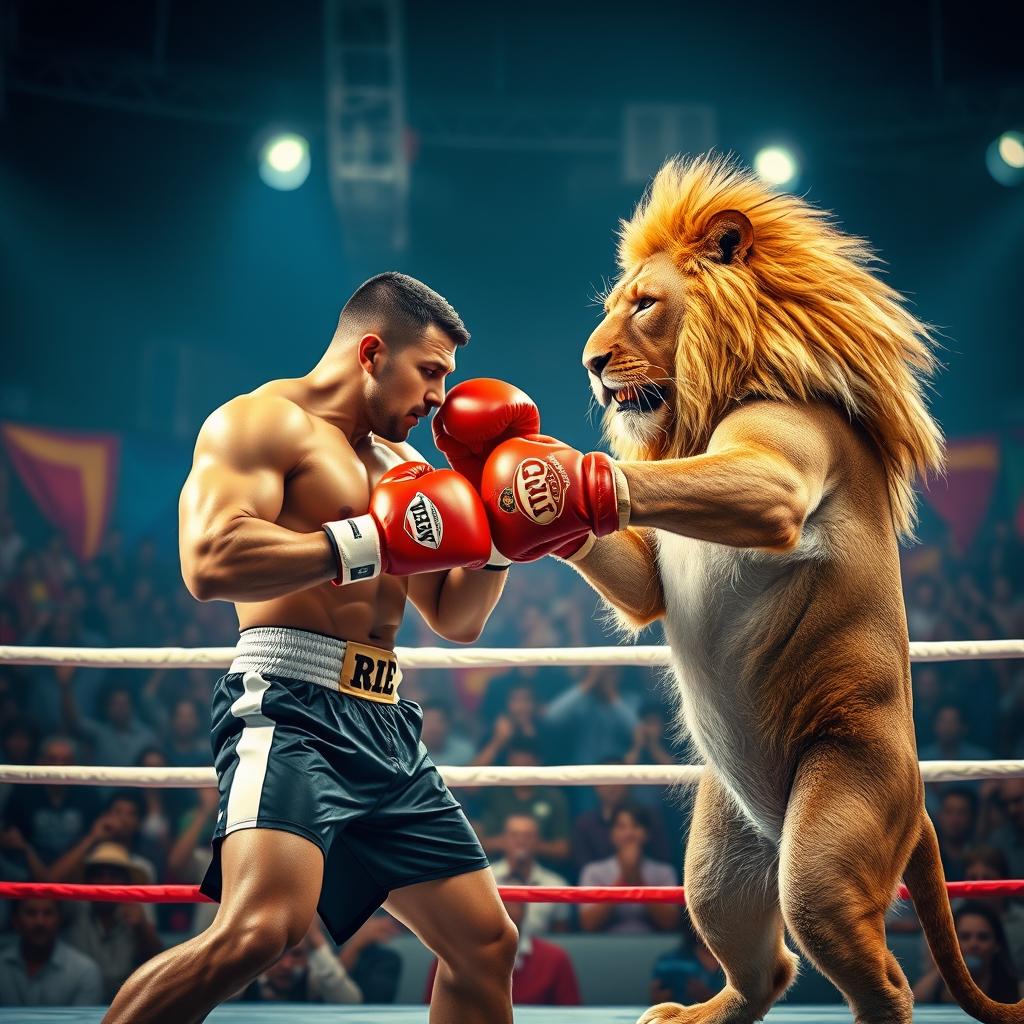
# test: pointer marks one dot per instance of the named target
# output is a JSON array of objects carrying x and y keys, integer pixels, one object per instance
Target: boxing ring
[
  {"x": 456, "y": 777},
  {"x": 306, "y": 1013}
]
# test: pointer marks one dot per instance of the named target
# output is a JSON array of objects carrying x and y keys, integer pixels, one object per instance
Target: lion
[{"x": 765, "y": 398}]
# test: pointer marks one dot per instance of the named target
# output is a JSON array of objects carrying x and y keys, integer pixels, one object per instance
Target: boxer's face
[
  {"x": 406, "y": 381},
  {"x": 631, "y": 355}
]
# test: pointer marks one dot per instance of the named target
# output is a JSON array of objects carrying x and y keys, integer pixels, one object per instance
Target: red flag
[
  {"x": 1014, "y": 454},
  {"x": 963, "y": 496},
  {"x": 71, "y": 476}
]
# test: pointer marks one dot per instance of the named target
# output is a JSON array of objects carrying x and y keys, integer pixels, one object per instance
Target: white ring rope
[
  {"x": 453, "y": 657},
  {"x": 552, "y": 775}
]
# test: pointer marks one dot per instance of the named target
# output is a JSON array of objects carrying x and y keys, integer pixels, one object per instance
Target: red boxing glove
[
  {"x": 420, "y": 520},
  {"x": 476, "y": 417},
  {"x": 540, "y": 494}
]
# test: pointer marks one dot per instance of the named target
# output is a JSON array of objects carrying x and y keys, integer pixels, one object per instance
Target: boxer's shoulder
[{"x": 259, "y": 428}]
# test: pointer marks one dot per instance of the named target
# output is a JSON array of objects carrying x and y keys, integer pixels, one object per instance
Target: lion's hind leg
[
  {"x": 846, "y": 840},
  {"x": 732, "y": 897}
]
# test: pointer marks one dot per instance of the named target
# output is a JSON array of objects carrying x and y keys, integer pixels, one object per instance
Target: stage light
[
  {"x": 776, "y": 165},
  {"x": 1005, "y": 158},
  {"x": 284, "y": 161},
  {"x": 1011, "y": 149}
]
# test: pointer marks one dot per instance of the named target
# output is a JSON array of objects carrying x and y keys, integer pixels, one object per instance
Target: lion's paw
[{"x": 667, "y": 1013}]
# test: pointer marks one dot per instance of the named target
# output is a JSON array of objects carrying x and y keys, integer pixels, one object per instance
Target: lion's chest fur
[{"x": 718, "y": 599}]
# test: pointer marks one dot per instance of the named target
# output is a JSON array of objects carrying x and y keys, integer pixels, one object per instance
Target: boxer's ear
[
  {"x": 370, "y": 349},
  {"x": 728, "y": 237}
]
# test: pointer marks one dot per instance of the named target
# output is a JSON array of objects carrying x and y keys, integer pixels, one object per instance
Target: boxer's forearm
[
  {"x": 457, "y": 604},
  {"x": 740, "y": 497},
  {"x": 467, "y": 598},
  {"x": 623, "y": 569},
  {"x": 253, "y": 560}
]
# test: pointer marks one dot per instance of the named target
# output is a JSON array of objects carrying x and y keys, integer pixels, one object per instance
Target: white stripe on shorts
[{"x": 253, "y": 752}]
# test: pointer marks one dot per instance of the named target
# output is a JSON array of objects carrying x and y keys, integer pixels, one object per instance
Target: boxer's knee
[
  {"x": 472, "y": 964},
  {"x": 248, "y": 944}
]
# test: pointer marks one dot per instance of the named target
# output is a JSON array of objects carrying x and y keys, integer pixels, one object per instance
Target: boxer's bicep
[{"x": 242, "y": 455}]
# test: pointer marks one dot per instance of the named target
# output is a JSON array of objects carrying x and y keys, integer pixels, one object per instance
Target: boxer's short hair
[{"x": 403, "y": 303}]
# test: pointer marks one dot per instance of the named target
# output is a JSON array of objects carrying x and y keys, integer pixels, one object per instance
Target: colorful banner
[
  {"x": 71, "y": 476},
  {"x": 963, "y": 496},
  {"x": 1013, "y": 451}
]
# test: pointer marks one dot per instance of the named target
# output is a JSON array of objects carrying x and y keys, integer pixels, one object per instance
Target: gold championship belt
[{"x": 370, "y": 674}]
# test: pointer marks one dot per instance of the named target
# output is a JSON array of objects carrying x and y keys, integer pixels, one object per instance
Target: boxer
[{"x": 307, "y": 509}]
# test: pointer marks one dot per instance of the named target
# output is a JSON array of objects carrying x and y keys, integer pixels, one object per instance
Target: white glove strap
[
  {"x": 580, "y": 553},
  {"x": 621, "y": 497},
  {"x": 356, "y": 542},
  {"x": 497, "y": 560}
]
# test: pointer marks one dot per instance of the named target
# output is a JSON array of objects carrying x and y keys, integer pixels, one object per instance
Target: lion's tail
[{"x": 927, "y": 885}]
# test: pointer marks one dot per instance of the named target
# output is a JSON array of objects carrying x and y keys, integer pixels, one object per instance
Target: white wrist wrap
[
  {"x": 580, "y": 553},
  {"x": 497, "y": 560},
  {"x": 621, "y": 496},
  {"x": 357, "y": 543}
]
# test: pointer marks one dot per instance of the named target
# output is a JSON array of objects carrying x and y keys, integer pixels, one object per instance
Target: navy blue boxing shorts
[{"x": 310, "y": 736}]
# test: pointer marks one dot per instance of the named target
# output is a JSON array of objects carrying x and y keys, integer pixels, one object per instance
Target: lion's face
[{"x": 630, "y": 357}]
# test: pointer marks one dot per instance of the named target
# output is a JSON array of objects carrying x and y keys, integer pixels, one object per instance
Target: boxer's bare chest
[{"x": 332, "y": 479}]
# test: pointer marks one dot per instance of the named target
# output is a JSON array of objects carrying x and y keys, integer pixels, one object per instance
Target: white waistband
[{"x": 292, "y": 653}]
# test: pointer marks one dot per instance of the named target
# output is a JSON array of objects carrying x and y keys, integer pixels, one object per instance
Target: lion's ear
[{"x": 728, "y": 237}]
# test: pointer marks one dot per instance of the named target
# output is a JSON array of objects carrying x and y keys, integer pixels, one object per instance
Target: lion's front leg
[
  {"x": 733, "y": 900},
  {"x": 623, "y": 568}
]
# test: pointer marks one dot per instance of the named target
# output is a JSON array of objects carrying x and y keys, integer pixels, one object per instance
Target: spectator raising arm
[
  {"x": 12, "y": 839},
  {"x": 329, "y": 980}
]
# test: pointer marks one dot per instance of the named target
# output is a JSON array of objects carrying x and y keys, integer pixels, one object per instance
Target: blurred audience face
[
  {"x": 627, "y": 831},
  {"x": 57, "y": 750},
  {"x": 948, "y": 725},
  {"x": 926, "y": 685},
  {"x": 521, "y": 757},
  {"x": 185, "y": 721},
  {"x": 977, "y": 939},
  {"x": 1011, "y": 799},
  {"x": 436, "y": 725},
  {"x": 984, "y": 869},
  {"x": 119, "y": 708},
  {"x": 955, "y": 818},
  {"x": 36, "y": 923},
  {"x": 124, "y": 816},
  {"x": 521, "y": 837},
  {"x": 19, "y": 744},
  {"x": 521, "y": 706},
  {"x": 613, "y": 795},
  {"x": 283, "y": 976},
  {"x": 106, "y": 874},
  {"x": 153, "y": 758}
]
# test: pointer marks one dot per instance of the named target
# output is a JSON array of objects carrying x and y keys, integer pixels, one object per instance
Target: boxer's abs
[{"x": 331, "y": 480}]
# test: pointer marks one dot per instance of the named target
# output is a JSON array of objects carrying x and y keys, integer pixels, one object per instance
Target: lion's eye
[{"x": 644, "y": 302}]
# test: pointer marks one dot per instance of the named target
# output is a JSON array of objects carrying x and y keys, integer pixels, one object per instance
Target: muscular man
[{"x": 306, "y": 509}]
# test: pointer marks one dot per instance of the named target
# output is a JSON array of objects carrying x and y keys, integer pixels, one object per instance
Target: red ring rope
[{"x": 512, "y": 893}]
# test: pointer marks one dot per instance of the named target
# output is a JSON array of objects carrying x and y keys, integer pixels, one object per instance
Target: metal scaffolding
[{"x": 367, "y": 136}]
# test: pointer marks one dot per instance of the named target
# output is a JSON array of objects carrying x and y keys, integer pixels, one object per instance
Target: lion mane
[{"x": 802, "y": 318}]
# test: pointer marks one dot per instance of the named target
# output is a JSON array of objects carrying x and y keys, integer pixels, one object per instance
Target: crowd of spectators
[{"x": 132, "y": 595}]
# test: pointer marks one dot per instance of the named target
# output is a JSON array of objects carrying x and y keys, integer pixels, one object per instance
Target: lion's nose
[{"x": 595, "y": 364}]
